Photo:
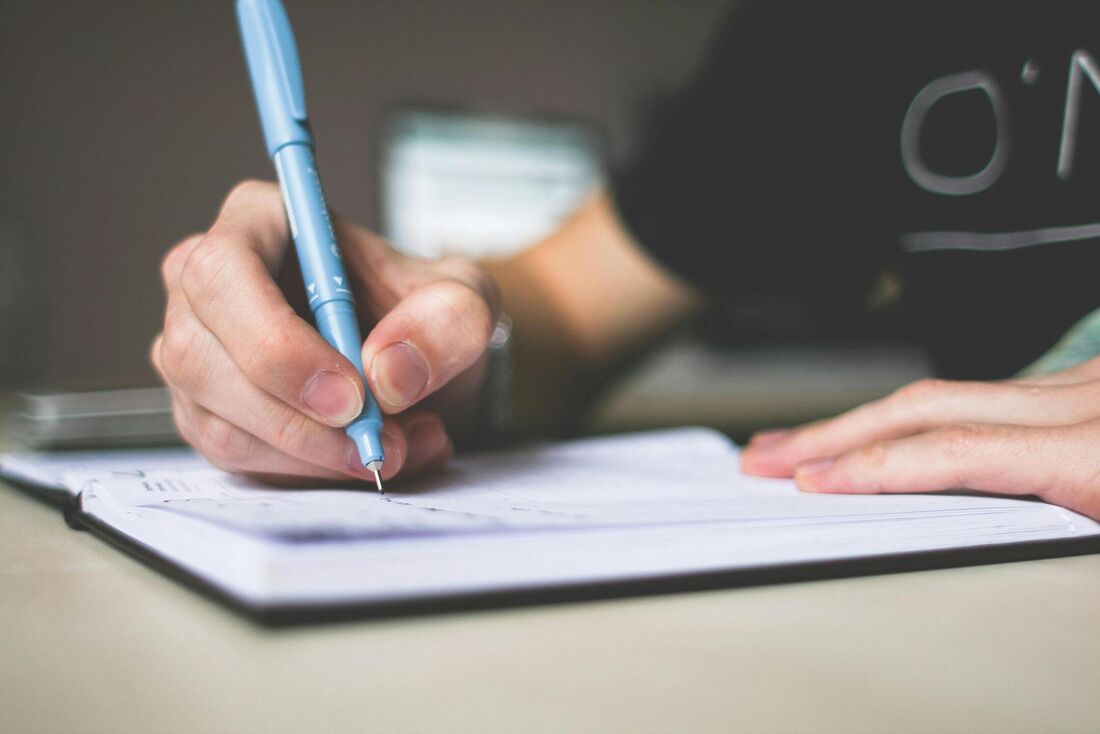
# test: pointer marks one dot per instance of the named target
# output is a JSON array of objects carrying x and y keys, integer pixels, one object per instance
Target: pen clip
[{"x": 276, "y": 72}]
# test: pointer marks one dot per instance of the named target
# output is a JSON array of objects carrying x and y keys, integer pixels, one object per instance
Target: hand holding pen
[{"x": 258, "y": 390}]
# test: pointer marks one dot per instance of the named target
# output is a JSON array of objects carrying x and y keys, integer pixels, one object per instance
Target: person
[{"x": 955, "y": 146}]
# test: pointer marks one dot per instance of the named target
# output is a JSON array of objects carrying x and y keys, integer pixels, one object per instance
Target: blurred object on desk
[{"x": 94, "y": 419}]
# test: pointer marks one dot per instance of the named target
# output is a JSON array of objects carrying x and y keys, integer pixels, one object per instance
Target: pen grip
[{"x": 337, "y": 323}]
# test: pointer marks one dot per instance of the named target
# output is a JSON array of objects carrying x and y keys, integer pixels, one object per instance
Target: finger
[
  {"x": 170, "y": 268},
  {"x": 154, "y": 356},
  {"x": 253, "y": 213},
  {"x": 431, "y": 336},
  {"x": 1088, "y": 370},
  {"x": 172, "y": 264},
  {"x": 427, "y": 444},
  {"x": 1054, "y": 463},
  {"x": 228, "y": 284},
  {"x": 381, "y": 276},
  {"x": 919, "y": 407},
  {"x": 195, "y": 364},
  {"x": 229, "y": 448}
]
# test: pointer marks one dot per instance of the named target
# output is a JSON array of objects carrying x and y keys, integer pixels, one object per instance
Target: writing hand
[{"x": 255, "y": 387}]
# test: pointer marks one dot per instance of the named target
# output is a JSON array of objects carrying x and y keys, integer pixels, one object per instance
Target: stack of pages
[{"x": 596, "y": 513}]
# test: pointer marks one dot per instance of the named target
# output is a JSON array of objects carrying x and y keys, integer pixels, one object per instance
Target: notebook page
[
  {"x": 584, "y": 512},
  {"x": 66, "y": 469},
  {"x": 687, "y": 476}
]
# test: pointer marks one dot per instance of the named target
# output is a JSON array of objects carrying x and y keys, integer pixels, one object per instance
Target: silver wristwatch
[{"x": 494, "y": 412}]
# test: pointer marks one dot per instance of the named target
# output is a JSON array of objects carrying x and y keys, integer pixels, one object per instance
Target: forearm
[{"x": 581, "y": 301}]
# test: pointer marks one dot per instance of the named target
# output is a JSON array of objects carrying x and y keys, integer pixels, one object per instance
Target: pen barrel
[
  {"x": 276, "y": 74},
  {"x": 326, "y": 282},
  {"x": 314, "y": 239}
]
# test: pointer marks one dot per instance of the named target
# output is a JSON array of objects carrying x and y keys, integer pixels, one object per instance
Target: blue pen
[{"x": 272, "y": 58}]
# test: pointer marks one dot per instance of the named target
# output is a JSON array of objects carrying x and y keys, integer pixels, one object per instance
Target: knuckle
[
  {"x": 167, "y": 269},
  {"x": 203, "y": 266},
  {"x": 921, "y": 390},
  {"x": 274, "y": 346},
  {"x": 460, "y": 268},
  {"x": 467, "y": 309},
  {"x": 154, "y": 352},
  {"x": 172, "y": 262},
  {"x": 182, "y": 346},
  {"x": 472, "y": 275},
  {"x": 290, "y": 434},
  {"x": 958, "y": 442},
  {"x": 873, "y": 456},
  {"x": 917, "y": 400},
  {"x": 181, "y": 417},
  {"x": 248, "y": 188},
  {"x": 184, "y": 428},
  {"x": 223, "y": 444}
]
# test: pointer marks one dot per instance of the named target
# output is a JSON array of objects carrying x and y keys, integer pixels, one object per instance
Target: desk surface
[{"x": 91, "y": 640}]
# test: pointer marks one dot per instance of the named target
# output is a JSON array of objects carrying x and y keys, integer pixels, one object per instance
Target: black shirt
[{"x": 954, "y": 144}]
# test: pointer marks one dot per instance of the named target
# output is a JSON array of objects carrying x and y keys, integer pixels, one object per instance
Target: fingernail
[
  {"x": 767, "y": 438},
  {"x": 355, "y": 462},
  {"x": 400, "y": 374},
  {"x": 390, "y": 466},
  {"x": 333, "y": 397},
  {"x": 394, "y": 460},
  {"x": 813, "y": 476},
  {"x": 426, "y": 439}
]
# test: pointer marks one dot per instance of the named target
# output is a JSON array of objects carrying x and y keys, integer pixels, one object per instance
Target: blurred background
[{"x": 468, "y": 126}]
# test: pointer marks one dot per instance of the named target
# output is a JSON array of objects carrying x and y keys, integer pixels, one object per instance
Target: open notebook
[{"x": 602, "y": 516}]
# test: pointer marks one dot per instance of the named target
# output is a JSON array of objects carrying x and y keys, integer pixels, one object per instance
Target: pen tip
[{"x": 376, "y": 467}]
